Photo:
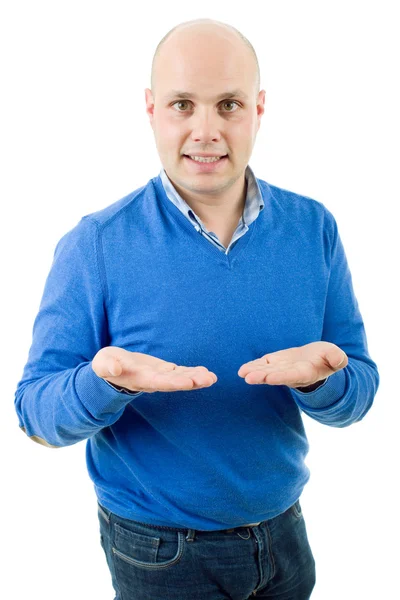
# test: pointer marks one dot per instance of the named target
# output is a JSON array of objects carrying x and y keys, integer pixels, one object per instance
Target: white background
[{"x": 75, "y": 138}]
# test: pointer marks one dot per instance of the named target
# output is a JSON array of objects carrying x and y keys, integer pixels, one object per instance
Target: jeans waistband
[{"x": 190, "y": 532}]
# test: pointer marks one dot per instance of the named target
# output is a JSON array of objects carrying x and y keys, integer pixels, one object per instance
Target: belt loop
[
  {"x": 190, "y": 535},
  {"x": 248, "y": 534}
]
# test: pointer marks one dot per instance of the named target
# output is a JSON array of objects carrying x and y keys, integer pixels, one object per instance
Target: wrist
[
  {"x": 312, "y": 387},
  {"x": 120, "y": 388}
]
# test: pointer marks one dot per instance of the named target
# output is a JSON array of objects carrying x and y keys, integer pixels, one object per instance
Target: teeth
[{"x": 206, "y": 159}]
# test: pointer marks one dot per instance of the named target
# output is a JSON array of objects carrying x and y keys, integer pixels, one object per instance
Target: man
[{"x": 182, "y": 331}]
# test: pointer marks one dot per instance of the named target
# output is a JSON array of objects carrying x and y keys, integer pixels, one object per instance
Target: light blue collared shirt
[{"x": 253, "y": 206}]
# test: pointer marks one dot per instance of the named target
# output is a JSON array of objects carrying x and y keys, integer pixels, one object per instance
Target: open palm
[{"x": 295, "y": 367}]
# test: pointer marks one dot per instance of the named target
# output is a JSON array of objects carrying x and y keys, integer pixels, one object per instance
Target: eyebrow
[{"x": 187, "y": 95}]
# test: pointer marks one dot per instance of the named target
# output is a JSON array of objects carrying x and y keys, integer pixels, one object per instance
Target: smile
[
  {"x": 205, "y": 158},
  {"x": 205, "y": 164}
]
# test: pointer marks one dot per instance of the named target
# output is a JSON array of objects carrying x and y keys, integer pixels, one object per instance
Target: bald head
[
  {"x": 205, "y": 98},
  {"x": 187, "y": 33}
]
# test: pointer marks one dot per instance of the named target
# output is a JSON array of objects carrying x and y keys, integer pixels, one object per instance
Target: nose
[{"x": 206, "y": 126}]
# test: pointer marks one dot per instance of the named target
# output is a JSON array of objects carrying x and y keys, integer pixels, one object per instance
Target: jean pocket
[
  {"x": 146, "y": 551},
  {"x": 296, "y": 509}
]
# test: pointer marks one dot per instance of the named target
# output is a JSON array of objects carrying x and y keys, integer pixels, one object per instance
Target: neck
[{"x": 225, "y": 209}]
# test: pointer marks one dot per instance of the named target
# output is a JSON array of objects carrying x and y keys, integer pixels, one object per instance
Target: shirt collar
[{"x": 254, "y": 203}]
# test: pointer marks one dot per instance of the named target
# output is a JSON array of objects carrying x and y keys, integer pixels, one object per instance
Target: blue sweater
[{"x": 138, "y": 275}]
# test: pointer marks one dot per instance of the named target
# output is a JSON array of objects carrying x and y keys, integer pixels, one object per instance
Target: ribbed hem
[
  {"x": 326, "y": 395},
  {"x": 96, "y": 395}
]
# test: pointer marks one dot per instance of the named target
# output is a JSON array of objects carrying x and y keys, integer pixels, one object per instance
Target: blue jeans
[{"x": 269, "y": 560}]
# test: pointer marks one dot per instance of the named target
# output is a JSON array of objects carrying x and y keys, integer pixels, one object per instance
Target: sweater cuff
[
  {"x": 96, "y": 395},
  {"x": 327, "y": 394},
  {"x": 119, "y": 388}
]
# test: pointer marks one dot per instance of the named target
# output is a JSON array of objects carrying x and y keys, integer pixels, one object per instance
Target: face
[{"x": 209, "y": 121}]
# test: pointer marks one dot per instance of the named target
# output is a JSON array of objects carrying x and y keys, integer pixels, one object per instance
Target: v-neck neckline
[{"x": 203, "y": 242}]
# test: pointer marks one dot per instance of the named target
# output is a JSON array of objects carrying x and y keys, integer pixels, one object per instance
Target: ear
[
  {"x": 260, "y": 107},
  {"x": 149, "y": 104}
]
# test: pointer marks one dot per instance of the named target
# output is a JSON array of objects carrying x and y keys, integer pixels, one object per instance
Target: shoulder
[
  {"x": 87, "y": 234},
  {"x": 289, "y": 198},
  {"x": 122, "y": 207},
  {"x": 294, "y": 204}
]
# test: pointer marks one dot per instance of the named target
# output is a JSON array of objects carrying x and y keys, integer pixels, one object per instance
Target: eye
[
  {"x": 180, "y": 102},
  {"x": 233, "y": 102}
]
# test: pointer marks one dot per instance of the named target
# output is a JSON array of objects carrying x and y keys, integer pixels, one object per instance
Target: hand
[
  {"x": 295, "y": 367},
  {"x": 144, "y": 373}
]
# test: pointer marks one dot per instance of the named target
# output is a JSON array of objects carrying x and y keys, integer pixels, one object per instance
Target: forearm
[
  {"x": 346, "y": 396},
  {"x": 60, "y": 399},
  {"x": 64, "y": 408}
]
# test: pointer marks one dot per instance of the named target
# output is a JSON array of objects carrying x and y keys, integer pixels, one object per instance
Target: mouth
[{"x": 205, "y": 167}]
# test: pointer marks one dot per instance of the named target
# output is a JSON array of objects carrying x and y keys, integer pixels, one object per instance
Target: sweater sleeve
[
  {"x": 59, "y": 399},
  {"x": 346, "y": 396}
]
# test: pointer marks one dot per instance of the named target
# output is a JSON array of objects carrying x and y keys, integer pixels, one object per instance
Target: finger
[
  {"x": 106, "y": 364},
  {"x": 251, "y": 366},
  {"x": 255, "y": 377},
  {"x": 161, "y": 383},
  {"x": 272, "y": 361},
  {"x": 114, "y": 366},
  {"x": 336, "y": 358},
  {"x": 263, "y": 368},
  {"x": 205, "y": 380},
  {"x": 201, "y": 376},
  {"x": 164, "y": 382},
  {"x": 280, "y": 376}
]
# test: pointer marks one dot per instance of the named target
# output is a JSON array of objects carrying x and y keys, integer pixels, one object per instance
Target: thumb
[
  {"x": 105, "y": 364},
  {"x": 114, "y": 366},
  {"x": 337, "y": 358}
]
